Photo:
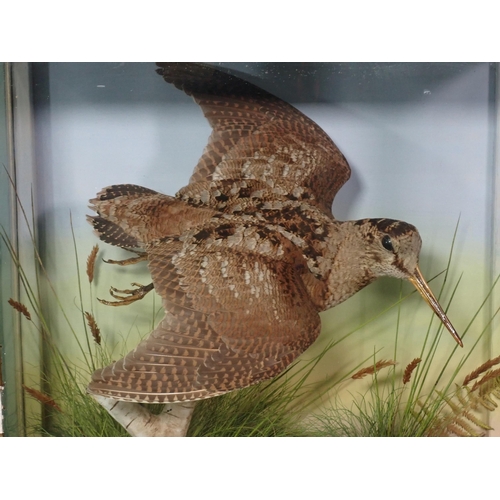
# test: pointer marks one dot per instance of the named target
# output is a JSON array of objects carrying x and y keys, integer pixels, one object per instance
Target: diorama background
[{"x": 420, "y": 139}]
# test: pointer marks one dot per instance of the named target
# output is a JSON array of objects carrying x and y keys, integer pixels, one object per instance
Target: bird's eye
[{"x": 387, "y": 243}]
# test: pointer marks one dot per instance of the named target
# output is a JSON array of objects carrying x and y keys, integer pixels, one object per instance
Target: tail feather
[
  {"x": 112, "y": 233},
  {"x": 118, "y": 207},
  {"x": 132, "y": 216}
]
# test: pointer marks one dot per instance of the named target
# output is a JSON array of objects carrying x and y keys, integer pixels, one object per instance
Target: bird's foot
[
  {"x": 126, "y": 297},
  {"x": 126, "y": 262}
]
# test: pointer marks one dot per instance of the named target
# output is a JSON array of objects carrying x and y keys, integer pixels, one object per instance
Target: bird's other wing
[
  {"x": 256, "y": 135},
  {"x": 232, "y": 318}
]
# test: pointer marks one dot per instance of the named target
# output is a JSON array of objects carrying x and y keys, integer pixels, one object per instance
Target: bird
[{"x": 248, "y": 253}]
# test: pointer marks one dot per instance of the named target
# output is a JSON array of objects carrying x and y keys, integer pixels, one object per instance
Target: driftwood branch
[{"x": 139, "y": 422}]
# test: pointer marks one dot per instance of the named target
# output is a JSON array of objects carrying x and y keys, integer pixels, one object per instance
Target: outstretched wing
[
  {"x": 258, "y": 136},
  {"x": 233, "y": 318}
]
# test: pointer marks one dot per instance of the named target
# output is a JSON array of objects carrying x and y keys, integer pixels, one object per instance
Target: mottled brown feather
[
  {"x": 218, "y": 335},
  {"x": 250, "y": 124}
]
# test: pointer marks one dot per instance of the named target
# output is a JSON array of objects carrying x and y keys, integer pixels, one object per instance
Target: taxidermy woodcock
[{"x": 248, "y": 254}]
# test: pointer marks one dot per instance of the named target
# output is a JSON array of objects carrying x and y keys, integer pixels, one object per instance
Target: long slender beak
[{"x": 420, "y": 284}]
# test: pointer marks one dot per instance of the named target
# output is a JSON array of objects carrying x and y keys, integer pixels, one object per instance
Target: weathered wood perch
[{"x": 138, "y": 421}]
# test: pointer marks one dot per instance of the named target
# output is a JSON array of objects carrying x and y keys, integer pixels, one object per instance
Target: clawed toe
[
  {"x": 141, "y": 256},
  {"x": 126, "y": 297}
]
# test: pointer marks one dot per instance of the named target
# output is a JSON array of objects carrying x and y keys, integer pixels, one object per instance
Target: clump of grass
[
  {"x": 397, "y": 405},
  {"x": 258, "y": 411},
  {"x": 386, "y": 412},
  {"x": 80, "y": 415}
]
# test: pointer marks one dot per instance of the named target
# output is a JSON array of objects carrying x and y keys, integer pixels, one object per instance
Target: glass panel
[
  {"x": 418, "y": 138},
  {"x": 13, "y": 424}
]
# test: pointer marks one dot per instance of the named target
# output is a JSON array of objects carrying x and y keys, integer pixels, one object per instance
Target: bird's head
[{"x": 392, "y": 249}]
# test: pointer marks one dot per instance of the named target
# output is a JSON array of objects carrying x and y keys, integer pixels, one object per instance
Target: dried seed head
[
  {"x": 91, "y": 262},
  {"x": 481, "y": 369},
  {"x": 490, "y": 375},
  {"x": 96, "y": 332},
  {"x": 373, "y": 368},
  {"x": 43, "y": 398},
  {"x": 20, "y": 307},
  {"x": 409, "y": 370}
]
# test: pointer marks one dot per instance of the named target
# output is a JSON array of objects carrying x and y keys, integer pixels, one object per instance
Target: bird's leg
[
  {"x": 141, "y": 256},
  {"x": 126, "y": 297},
  {"x": 138, "y": 421}
]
